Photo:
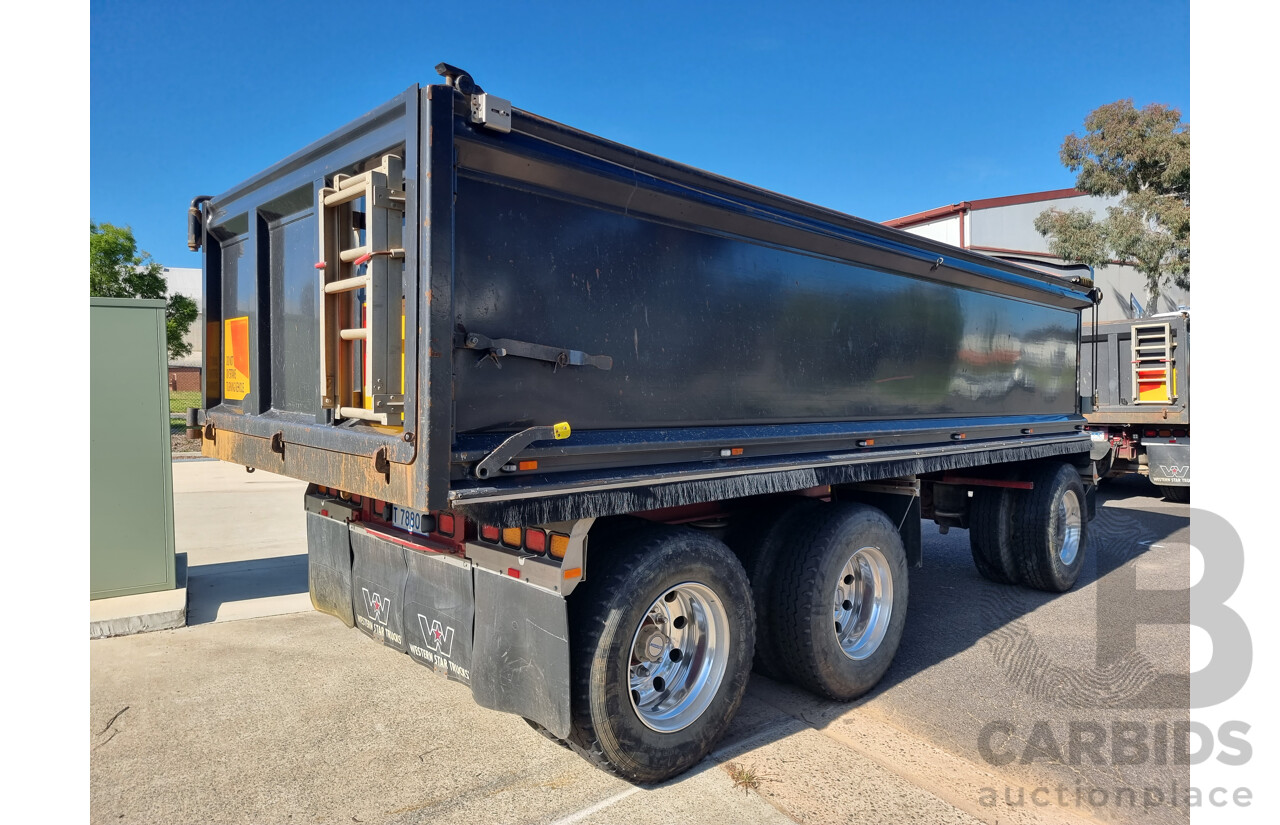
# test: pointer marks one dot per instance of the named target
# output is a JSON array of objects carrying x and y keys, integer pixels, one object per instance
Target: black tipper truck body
[{"x": 490, "y": 342}]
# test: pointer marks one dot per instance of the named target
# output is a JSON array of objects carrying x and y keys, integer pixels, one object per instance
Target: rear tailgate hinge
[{"x": 497, "y": 348}]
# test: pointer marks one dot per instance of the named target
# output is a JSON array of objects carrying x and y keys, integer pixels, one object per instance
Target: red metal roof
[{"x": 983, "y": 203}]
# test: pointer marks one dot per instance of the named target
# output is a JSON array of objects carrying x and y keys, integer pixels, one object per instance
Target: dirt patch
[{"x": 179, "y": 443}]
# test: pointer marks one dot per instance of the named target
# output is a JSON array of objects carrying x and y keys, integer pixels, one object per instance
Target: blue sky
[{"x": 875, "y": 109}]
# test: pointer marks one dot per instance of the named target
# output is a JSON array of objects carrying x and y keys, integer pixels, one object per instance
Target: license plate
[
  {"x": 1098, "y": 435},
  {"x": 411, "y": 520}
]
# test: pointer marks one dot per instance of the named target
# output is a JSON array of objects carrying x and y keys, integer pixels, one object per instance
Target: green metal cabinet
[{"x": 130, "y": 465}]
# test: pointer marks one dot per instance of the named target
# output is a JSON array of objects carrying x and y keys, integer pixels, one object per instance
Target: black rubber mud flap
[
  {"x": 377, "y": 587},
  {"x": 521, "y": 660},
  {"x": 329, "y": 567},
  {"x": 438, "y": 613}
]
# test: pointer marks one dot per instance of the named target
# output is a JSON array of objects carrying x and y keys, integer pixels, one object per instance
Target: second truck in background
[{"x": 1141, "y": 421}]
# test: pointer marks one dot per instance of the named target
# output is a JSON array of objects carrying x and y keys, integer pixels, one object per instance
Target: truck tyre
[
  {"x": 660, "y": 653},
  {"x": 1052, "y": 529},
  {"x": 991, "y": 535},
  {"x": 758, "y": 539},
  {"x": 1178, "y": 495},
  {"x": 848, "y": 561}
]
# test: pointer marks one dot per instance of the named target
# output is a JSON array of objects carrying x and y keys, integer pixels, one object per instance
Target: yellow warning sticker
[{"x": 235, "y": 370}]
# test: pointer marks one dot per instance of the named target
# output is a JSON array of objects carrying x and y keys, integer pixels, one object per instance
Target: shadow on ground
[{"x": 247, "y": 589}]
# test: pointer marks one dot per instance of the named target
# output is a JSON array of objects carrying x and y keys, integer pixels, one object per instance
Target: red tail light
[
  {"x": 535, "y": 541},
  {"x": 444, "y": 524},
  {"x": 490, "y": 532}
]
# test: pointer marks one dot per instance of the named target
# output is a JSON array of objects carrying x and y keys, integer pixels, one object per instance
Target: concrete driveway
[{"x": 263, "y": 711}]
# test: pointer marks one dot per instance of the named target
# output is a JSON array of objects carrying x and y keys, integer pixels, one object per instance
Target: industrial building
[
  {"x": 1005, "y": 228},
  {"x": 184, "y": 372}
]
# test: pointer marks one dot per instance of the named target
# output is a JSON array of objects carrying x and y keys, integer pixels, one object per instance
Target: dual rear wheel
[
  {"x": 666, "y": 626},
  {"x": 1035, "y": 537}
]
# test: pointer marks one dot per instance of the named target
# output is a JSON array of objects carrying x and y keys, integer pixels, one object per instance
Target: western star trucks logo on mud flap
[
  {"x": 438, "y": 649},
  {"x": 377, "y": 610},
  {"x": 1182, "y": 471}
]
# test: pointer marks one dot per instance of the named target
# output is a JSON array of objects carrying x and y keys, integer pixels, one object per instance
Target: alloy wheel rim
[
  {"x": 863, "y": 603},
  {"x": 679, "y": 655},
  {"x": 1069, "y": 520}
]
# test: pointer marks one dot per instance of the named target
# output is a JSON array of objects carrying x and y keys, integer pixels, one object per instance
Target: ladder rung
[
  {"x": 344, "y": 195},
  {"x": 346, "y": 284},
  {"x": 355, "y": 180},
  {"x": 361, "y": 413},
  {"x": 358, "y": 334},
  {"x": 349, "y": 255}
]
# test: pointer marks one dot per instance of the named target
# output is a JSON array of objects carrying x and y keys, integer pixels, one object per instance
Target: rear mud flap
[
  {"x": 1169, "y": 464},
  {"x": 329, "y": 567},
  {"x": 521, "y": 662},
  {"x": 377, "y": 587},
  {"x": 507, "y": 639},
  {"x": 438, "y": 613}
]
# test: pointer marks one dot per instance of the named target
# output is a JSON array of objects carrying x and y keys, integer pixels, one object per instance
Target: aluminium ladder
[{"x": 361, "y": 271}]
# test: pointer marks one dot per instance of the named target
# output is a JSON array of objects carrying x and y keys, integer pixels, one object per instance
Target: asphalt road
[{"x": 294, "y": 718}]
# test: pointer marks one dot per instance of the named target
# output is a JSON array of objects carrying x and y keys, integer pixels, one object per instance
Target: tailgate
[{"x": 312, "y": 292}]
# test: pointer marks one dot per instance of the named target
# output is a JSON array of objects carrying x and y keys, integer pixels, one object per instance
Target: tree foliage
[
  {"x": 1145, "y": 155},
  {"x": 117, "y": 269}
]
